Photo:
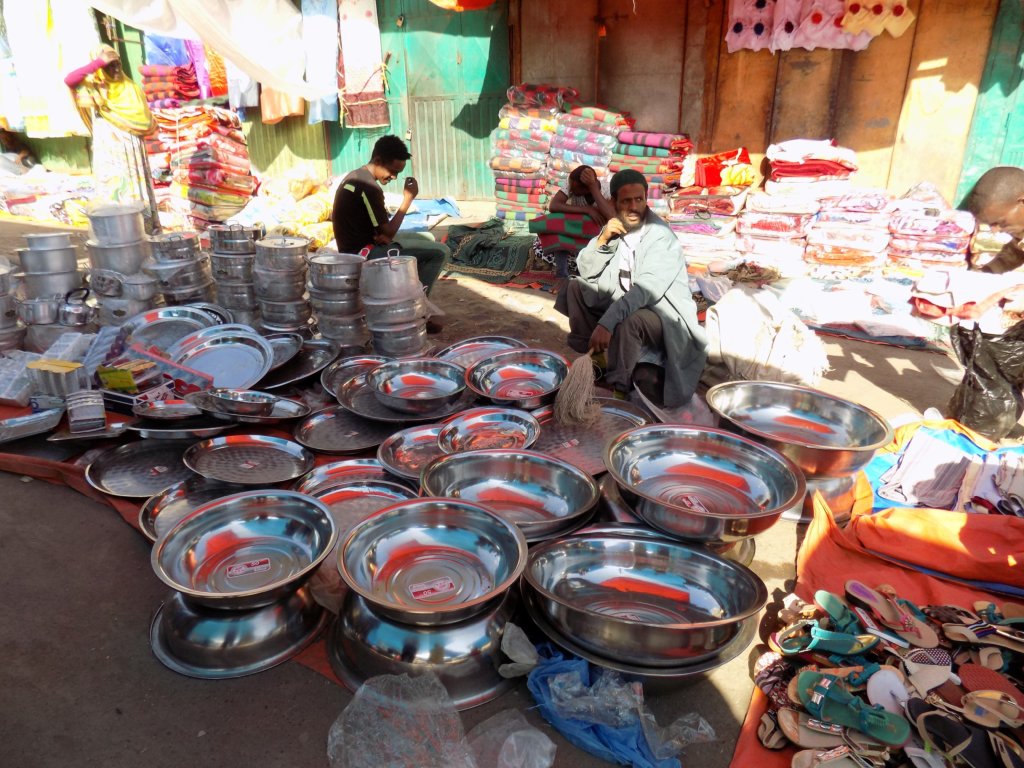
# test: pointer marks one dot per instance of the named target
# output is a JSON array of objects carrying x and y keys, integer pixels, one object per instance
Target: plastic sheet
[
  {"x": 506, "y": 740},
  {"x": 988, "y": 398}
]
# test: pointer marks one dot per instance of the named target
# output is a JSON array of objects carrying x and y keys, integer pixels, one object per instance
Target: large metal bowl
[
  {"x": 540, "y": 494},
  {"x": 643, "y": 601},
  {"x": 432, "y": 561},
  {"x": 245, "y": 550},
  {"x": 340, "y": 473},
  {"x": 418, "y": 385},
  {"x": 824, "y": 435},
  {"x": 203, "y": 642},
  {"x": 464, "y": 656},
  {"x": 519, "y": 378},
  {"x": 703, "y": 484},
  {"x": 409, "y": 450},
  {"x": 482, "y": 428},
  {"x": 243, "y": 401}
]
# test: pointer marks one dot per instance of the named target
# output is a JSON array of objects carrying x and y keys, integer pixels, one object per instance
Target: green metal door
[{"x": 997, "y": 130}]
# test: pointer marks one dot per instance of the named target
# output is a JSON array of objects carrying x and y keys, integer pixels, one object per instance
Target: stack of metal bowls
[
  {"x": 829, "y": 438},
  {"x": 181, "y": 270},
  {"x": 49, "y": 270},
  {"x": 432, "y": 589},
  {"x": 238, "y": 567},
  {"x": 279, "y": 278},
  {"x": 334, "y": 296},
  {"x": 395, "y": 306},
  {"x": 12, "y": 332},
  {"x": 233, "y": 249},
  {"x": 118, "y": 248}
]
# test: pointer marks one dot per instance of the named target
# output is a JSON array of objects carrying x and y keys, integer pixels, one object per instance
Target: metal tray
[
  {"x": 469, "y": 351},
  {"x": 353, "y": 503},
  {"x": 138, "y": 470},
  {"x": 337, "y": 430},
  {"x": 198, "y": 428},
  {"x": 162, "y": 512},
  {"x": 249, "y": 459},
  {"x": 164, "y": 326},
  {"x": 407, "y": 451},
  {"x": 584, "y": 446},
  {"x": 166, "y": 410},
  {"x": 235, "y": 360},
  {"x": 334, "y": 376},
  {"x": 284, "y": 409},
  {"x": 202, "y": 334},
  {"x": 341, "y": 473},
  {"x": 106, "y": 433},
  {"x": 18, "y": 427},
  {"x": 357, "y": 396},
  {"x": 285, "y": 346},
  {"x": 315, "y": 355},
  {"x": 222, "y": 314}
]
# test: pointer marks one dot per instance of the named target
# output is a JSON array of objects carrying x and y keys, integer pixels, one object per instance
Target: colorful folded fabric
[
  {"x": 575, "y": 145},
  {"x": 600, "y": 114},
  {"x": 543, "y": 113},
  {"x": 565, "y": 167},
  {"x": 511, "y": 185},
  {"x": 537, "y": 198},
  {"x": 576, "y": 224},
  {"x": 582, "y": 134},
  {"x": 527, "y": 124},
  {"x": 580, "y": 158},
  {"x": 540, "y": 95},
  {"x": 526, "y": 146},
  {"x": 517, "y": 134},
  {"x": 649, "y": 139},
  {"x": 636, "y": 150},
  {"x": 586, "y": 124},
  {"x": 157, "y": 70}
]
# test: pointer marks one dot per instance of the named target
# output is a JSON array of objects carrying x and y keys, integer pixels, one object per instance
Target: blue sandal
[{"x": 825, "y": 699}]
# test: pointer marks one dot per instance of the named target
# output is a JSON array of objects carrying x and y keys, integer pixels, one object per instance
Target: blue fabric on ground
[{"x": 429, "y": 213}]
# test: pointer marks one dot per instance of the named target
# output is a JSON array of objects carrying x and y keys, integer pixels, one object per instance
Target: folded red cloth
[{"x": 819, "y": 169}]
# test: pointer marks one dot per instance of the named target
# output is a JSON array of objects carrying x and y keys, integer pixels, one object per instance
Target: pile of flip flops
[{"x": 869, "y": 680}]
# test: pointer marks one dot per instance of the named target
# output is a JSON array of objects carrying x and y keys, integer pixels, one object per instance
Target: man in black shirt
[{"x": 997, "y": 199}]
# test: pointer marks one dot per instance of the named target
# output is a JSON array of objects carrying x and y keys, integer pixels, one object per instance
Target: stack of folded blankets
[
  {"x": 929, "y": 238},
  {"x": 850, "y": 230},
  {"x": 167, "y": 87},
  {"x": 704, "y": 222},
  {"x": 586, "y": 135},
  {"x": 810, "y": 168},
  {"x": 658, "y": 156},
  {"x": 200, "y": 164},
  {"x": 772, "y": 229}
]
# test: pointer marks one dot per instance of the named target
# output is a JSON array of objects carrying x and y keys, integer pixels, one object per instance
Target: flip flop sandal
[
  {"x": 1009, "y": 753},
  {"x": 950, "y": 614},
  {"x": 989, "y": 611},
  {"x": 953, "y": 739},
  {"x": 983, "y": 633},
  {"x": 839, "y": 613},
  {"x": 887, "y": 609},
  {"x": 992, "y": 709},
  {"x": 807, "y": 636},
  {"x": 887, "y": 689},
  {"x": 987, "y": 656},
  {"x": 842, "y": 756},
  {"x": 825, "y": 699},
  {"x": 842, "y": 674},
  {"x": 977, "y": 678},
  {"x": 769, "y": 733},
  {"x": 950, "y": 692},
  {"x": 927, "y": 668},
  {"x": 804, "y": 731}
]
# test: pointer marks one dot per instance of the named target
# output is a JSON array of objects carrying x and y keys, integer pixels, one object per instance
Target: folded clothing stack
[
  {"x": 930, "y": 238},
  {"x": 704, "y": 221},
  {"x": 850, "y": 230},
  {"x": 772, "y": 230},
  {"x": 810, "y": 168},
  {"x": 584, "y": 135},
  {"x": 519, "y": 157},
  {"x": 167, "y": 86},
  {"x": 659, "y": 157}
]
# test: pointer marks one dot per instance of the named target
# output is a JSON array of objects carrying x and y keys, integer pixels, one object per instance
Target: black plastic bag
[{"x": 988, "y": 399}]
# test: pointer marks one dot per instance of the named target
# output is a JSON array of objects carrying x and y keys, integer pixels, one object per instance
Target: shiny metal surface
[
  {"x": 235, "y": 360},
  {"x": 335, "y": 304},
  {"x": 333, "y": 271},
  {"x": 340, "y": 473},
  {"x": 177, "y": 278},
  {"x": 236, "y": 268},
  {"x": 408, "y": 451},
  {"x": 112, "y": 224},
  {"x": 48, "y": 260},
  {"x": 824, "y": 435},
  {"x": 703, "y": 484},
  {"x": 338, "y": 430},
  {"x": 197, "y": 428},
  {"x": 41, "y": 311},
  {"x": 221, "y": 314},
  {"x": 283, "y": 410},
  {"x": 285, "y": 346},
  {"x": 432, "y": 561},
  {"x": 488, "y": 427},
  {"x": 126, "y": 258},
  {"x": 164, "y": 510},
  {"x": 282, "y": 253},
  {"x": 469, "y": 351},
  {"x": 245, "y": 550},
  {"x": 464, "y": 656},
  {"x": 213, "y": 644},
  {"x": 275, "y": 286},
  {"x": 384, "y": 313},
  {"x": 357, "y": 396},
  {"x": 340, "y": 371},
  {"x": 584, "y": 445},
  {"x": 38, "y": 284},
  {"x": 235, "y": 238},
  {"x": 313, "y": 357},
  {"x": 519, "y": 378},
  {"x": 349, "y": 330},
  {"x": 417, "y": 386},
  {"x": 353, "y": 502},
  {"x": 249, "y": 459},
  {"x": 139, "y": 287},
  {"x": 839, "y": 493},
  {"x": 540, "y": 494},
  {"x": 400, "y": 340},
  {"x": 174, "y": 246},
  {"x": 243, "y": 401},
  {"x": 138, "y": 470},
  {"x": 291, "y": 312},
  {"x": 164, "y": 326},
  {"x": 642, "y": 601},
  {"x": 207, "y": 333},
  {"x": 392, "y": 277},
  {"x": 41, "y": 241}
]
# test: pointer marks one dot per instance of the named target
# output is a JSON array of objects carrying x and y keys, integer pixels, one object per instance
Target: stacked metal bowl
[
  {"x": 395, "y": 305},
  {"x": 118, "y": 248},
  {"x": 233, "y": 249},
  {"x": 334, "y": 296},
  {"x": 181, "y": 269},
  {"x": 279, "y": 279},
  {"x": 49, "y": 271}
]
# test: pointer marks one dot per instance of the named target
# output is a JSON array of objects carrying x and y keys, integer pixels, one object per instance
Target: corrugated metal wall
[
  {"x": 65, "y": 154},
  {"x": 289, "y": 145}
]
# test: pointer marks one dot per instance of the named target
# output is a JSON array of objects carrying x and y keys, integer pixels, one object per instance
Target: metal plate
[
  {"x": 197, "y": 428},
  {"x": 334, "y": 376},
  {"x": 164, "y": 326},
  {"x": 342, "y": 473},
  {"x": 470, "y": 351},
  {"x": 358, "y": 397},
  {"x": 166, "y": 410},
  {"x": 206, "y": 333},
  {"x": 235, "y": 360},
  {"x": 286, "y": 346},
  {"x": 138, "y": 470},
  {"x": 407, "y": 451},
  {"x": 216, "y": 310},
  {"x": 284, "y": 409},
  {"x": 249, "y": 459},
  {"x": 108, "y": 432},
  {"x": 338, "y": 430},
  {"x": 161, "y": 512},
  {"x": 584, "y": 446},
  {"x": 315, "y": 355}
]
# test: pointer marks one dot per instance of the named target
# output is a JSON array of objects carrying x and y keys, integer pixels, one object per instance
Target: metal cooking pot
[
  {"x": 49, "y": 259},
  {"x": 392, "y": 277},
  {"x": 179, "y": 275},
  {"x": 383, "y": 313},
  {"x": 140, "y": 287},
  {"x": 400, "y": 340},
  {"x": 235, "y": 238},
  {"x": 8, "y": 310},
  {"x": 283, "y": 254},
  {"x": 202, "y": 292},
  {"x": 236, "y": 295},
  {"x": 285, "y": 313},
  {"x": 349, "y": 330},
  {"x": 333, "y": 271},
  {"x": 6, "y": 277},
  {"x": 126, "y": 258},
  {"x": 74, "y": 311},
  {"x": 38, "y": 284},
  {"x": 12, "y": 338},
  {"x": 41, "y": 241},
  {"x": 235, "y": 267},
  {"x": 104, "y": 282},
  {"x": 335, "y": 303},
  {"x": 278, "y": 286},
  {"x": 175, "y": 246},
  {"x": 41, "y": 311},
  {"x": 117, "y": 311},
  {"x": 116, "y": 224}
]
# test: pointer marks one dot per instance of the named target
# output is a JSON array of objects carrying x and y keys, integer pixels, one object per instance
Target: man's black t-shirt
[{"x": 359, "y": 211}]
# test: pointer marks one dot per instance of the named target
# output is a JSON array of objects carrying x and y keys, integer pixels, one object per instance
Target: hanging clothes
[
  {"x": 320, "y": 41},
  {"x": 197, "y": 54},
  {"x": 10, "y": 97},
  {"x": 275, "y": 105},
  {"x": 243, "y": 91},
  {"x": 164, "y": 51},
  {"x": 218, "y": 72},
  {"x": 360, "y": 66}
]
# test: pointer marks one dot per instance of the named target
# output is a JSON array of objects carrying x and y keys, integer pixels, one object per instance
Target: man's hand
[
  {"x": 600, "y": 339},
  {"x": 589, "y": 179},
  {"x": 614, "y": 228},
  {"x": 411, "y": 188},
  {"x": 595, "y": 214}
]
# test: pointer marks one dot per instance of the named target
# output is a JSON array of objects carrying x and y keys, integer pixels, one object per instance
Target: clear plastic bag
[
  {"x": 508, "y": 741},
  {"x": 517, "y": 647}
]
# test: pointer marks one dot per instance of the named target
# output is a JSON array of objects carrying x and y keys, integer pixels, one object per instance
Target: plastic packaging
[
  {"x": 988, "y": 398},
  {"x": 517, "y": 647},
  {"x": 506, "y": 740}
]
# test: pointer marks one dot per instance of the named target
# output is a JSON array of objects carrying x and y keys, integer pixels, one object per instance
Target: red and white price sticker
[
  {"x": 253, "y": 566},
  {"x": 426, "y": 589}
]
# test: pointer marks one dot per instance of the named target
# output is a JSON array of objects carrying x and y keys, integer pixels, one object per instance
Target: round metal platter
[
  {"x": 341, "y": 473},
  {"x": 185, "y": 429},
  {"x": 407, "y": 451},
  {"x": 338, "y": 430},
  {"x": 205, "y": 333},
  {"x": 138, "y": 470},
  {"x": 284, "y": 409},
  {"x": 583, "y": 446},
  {"x": 249, "y": 459},
  {"x": 334, "y": 376},
  {"x": 356, "y": 396},
  {"x": 166, "y": 410},
  {"x": 216, "y": 310},
  {"x": 286, "y": 346},
  {"x": 235, "y": 360},
  {"x": 162, "y": 512},
  {"x": 313, "y": 357},
  {"x": 469, "y": 351},
  {"x": 164, "y": 326}
]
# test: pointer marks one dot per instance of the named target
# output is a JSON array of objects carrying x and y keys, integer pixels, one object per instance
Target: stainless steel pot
[
  {"x": 283, "y": 254},
  {"x": 39, "y": 311},
  {"x": 104, "y": 282},
  {"x": 6, "y": 277},
  {"x": 39, "y": 284},
  {"x": 236, "y": 295},
  {"x": 117, "y": 311},
  {"x": 235, "y": 238},
  {"x": 49, "y": 259},
  {"x": 333, "y": 271},
  {"x": 278, "y": 286},
  {"x": 125, "y": 258},
  {"x": 347, "y": 303},
  {"x": 349, "y": 330},
  {"x": 382, "y": 313},
  {"x": 12, "y": 338},
  {"x": 234, "y": 267},
  {"x": 140, "y": 287},
  {"x": 392, "y": 277},
  {"x": 284, "y": 313},
  {"x": 42, "y": 241},
  {"x": 400, "y": 340},
  {"x": 8, "y": 310},
  {"x": 201, "y": 292},
  {"x": 73, "y": 311},
  {"x": 179, "y": 275},
  {"x": 175, "y": 246},
  {"x": 246, "y": 316},
  {"x": 116, "y": 224}
]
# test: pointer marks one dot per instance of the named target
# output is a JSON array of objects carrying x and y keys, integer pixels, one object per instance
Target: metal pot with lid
[
  {"x": 235, "y": 238},
  {"x": 175, "y": 246},
  {"x": 74, "y": 311},
  {"x": 392, "y": 277},
  {"x": 281, "y": 253}
]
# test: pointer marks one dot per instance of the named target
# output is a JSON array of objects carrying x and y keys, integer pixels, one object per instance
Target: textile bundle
[
  {"x": 660, "y": 157},
  {"x": 520, "y": 149},
  {"x": 704, "y": 221},
  {"x": 162, "y": 83}
]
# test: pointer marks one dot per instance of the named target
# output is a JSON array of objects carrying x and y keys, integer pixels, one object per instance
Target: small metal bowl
[
  {"x": 480, "y": 429},
  {"x": 519, "y": 378},
  {"x": 417, "y": 386},
  {"x": 245, "y": 550},
  {"x": 243, "y": 401},
  {"x": 334, "y": 376},
  {"x": 541, "y": 495},
  {"x": 703, "y": 484},
  {"x": 408, "y": 451},
  {"x": 824, "y": 435},
  {"x": 432, "y": 561},
  {"x": 643, "y": 601},
  {"x": 166, "y": 410}
]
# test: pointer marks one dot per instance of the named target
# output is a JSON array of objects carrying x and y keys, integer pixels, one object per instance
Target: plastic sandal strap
[
  {"x": 922, "y": 729},
  {"x": 905, "y": 620}
]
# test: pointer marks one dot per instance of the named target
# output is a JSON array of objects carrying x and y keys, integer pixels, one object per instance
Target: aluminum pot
[
  {"x": 42, "y": 241},
  {"x": 39, "y": 284},
  {"x": 8, "y": 310},
  {"x": 175, "y": 246},
  {"x": 6, "y": 277},
  {"x": 236, "y": 295},
  {"x": 230, "y": 266},
  {"x": 283, "y": 254},
  {"x": 125, "y": 258},
  {"x": 104, "y": 282},
  {"x": 383, "y": 313},
  {"x": 179, "y": 275},
  {"x": 139, "y": 287},
  {"x": 12, "y": 338},
  {"x": 278, "y": 286},
  {"x": 400, "y": 340},
  {"x": 116, "y": 224},
  {"x": 74, "y": 312},
  {"x": 284, "y": 313},
  {"x": 246, "y": 316},
  {"x": 41, "y": 311},
  {"x": 202, "y": 292},
  {"x": 392, "y": 277},
  {"x": 235, "y": 238},
  {"x": 333, "y": 271},
  {"x": 48, "y": 260},
  {"x": 348, "y": 330},
  {"x": 347, "y": 303},
  {"x": 111, "y": 311}
]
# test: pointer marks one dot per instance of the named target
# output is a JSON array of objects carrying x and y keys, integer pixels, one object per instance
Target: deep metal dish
[
  {"x": 824, "y": 435},
  {"x": 244, "y": 402},
  {"x": 703, "y": 484},
  {"x": 464, "y": 656},
  {"x": 235, "y": 360},
  {"x": 212, "y": 644},
  {"x": 485, "y": 428},
  {"x": 417, "y": 386},
  {"x": 470, "y": 351},
  {"x": 216, "y": 311},
  {"x": 166, "y": 325},
  {"x": 166, "y": 410},
  {"x": 356, "y": 395},
  {"x": 540, "y": 494},
  {"x": 166, "y": 509},
  {"x": 283, "y": 410},
  {"x": 246, "y": 550},
  {"x": 741, "y": 551},
  {"x": 338, "y": 430},
  {"x": 408, "y": 451},
  {"x": 285, "y": 346},
  {"x": 197, "y": 428},
  {"x": 340, "y": 473},
  {"x": 138, "y": 470},
  {"x": 313, "y": 357},
  {"x": 249, "y": 459},
  {"x": 643, "y": 601},
  {"x": 584, "y": 445},
  {"x": 432, "y": 561},
  {"x": 518, "y": 378},
  {"x": 334, "y": 376}
]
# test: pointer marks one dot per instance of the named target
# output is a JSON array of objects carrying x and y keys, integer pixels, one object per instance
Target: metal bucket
[
  {"x": 393, "y": 277},
  {"x": 116, "y": 224}
]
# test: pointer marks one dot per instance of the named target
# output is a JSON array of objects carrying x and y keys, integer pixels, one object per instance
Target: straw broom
[{"x": 575, "y": 404}]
